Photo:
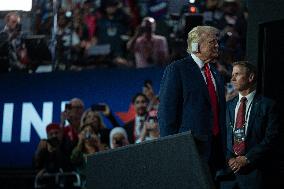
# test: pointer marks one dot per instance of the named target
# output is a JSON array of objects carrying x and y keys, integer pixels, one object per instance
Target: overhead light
[
  {"x": 192, "y": 9},
  {"x": 192, "y": 1},
  {"x": 9, "y": 5}
]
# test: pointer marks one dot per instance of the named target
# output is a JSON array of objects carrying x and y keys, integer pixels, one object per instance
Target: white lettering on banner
[
  {"x": 63, "y": 103},
  {"x": 30, "y": 117},
  {"x": 7, "y": 122}
]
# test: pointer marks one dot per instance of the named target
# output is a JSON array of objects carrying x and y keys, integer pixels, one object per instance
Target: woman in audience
[
  {"x": 89, "y": 143},
  {"x": 93, "y": 117},
  {"x": 118, "y": 138}
]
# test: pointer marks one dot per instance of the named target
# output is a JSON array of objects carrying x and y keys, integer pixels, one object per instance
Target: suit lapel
[
  {"x": 231, "y": 110},
  {"x": 217, "y": 79},
  {"x": 196, "y": 73},
  {"x": 253, "y": 113}
]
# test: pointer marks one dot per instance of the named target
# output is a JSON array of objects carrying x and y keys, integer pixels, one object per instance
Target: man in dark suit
[
  {"x": 252, "y": 132},
  {"x": 134, "y": 127},
  {"x": 192, "y": 97}
]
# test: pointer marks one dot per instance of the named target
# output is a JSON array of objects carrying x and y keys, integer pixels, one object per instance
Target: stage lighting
[{"x": 9, "y": 5}]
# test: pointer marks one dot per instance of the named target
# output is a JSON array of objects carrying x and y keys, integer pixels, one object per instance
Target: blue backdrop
[{"x": 29, "y": 101}]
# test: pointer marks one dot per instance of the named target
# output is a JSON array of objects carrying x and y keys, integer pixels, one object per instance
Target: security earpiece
[{"x": 194, "y": 47}]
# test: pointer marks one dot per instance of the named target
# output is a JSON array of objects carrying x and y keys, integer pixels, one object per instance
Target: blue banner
[{"x": 28, "y": 102}]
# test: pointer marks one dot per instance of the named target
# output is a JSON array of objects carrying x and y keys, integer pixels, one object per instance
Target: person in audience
[
  {"x": 111, "y": 27},
  {"x": 149, "y": 49},
  {"x": 118, "y": 138},
  {"x": 72, "y": 113},
  {"x": 53, "y": 154},
  {"x": 88, "y": 143},
  {"x": 16, "y": 57},
  {"x": 135, "y": 126},
  {"x": 252, "y": 132},
  {"x": 68, "y": 42},
  {"x": 92, "y": 116},
  {"x": 151, "y": 129},
  {"x": 149, "y": 92}
]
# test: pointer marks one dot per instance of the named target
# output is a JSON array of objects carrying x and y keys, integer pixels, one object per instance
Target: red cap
[{"x": 52, "y": 126}]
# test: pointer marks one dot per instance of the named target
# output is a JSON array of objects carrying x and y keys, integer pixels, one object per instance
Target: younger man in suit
[{"x": 252, "y": 131}]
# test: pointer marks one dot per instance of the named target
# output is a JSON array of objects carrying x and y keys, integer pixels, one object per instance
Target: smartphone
[
  {"x": 147, "y": 83},
  {"x": 98, "y": 107},
  {"x": 68, "y": 106}
]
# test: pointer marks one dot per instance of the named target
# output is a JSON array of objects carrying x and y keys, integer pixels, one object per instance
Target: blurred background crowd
[
  {"x": 82, "y": 131},
  {"x": 86, "y": 34}
]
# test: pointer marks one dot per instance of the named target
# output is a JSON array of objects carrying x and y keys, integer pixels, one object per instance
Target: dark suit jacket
[
  {"x": 185, "y": 103},
  {"x": 262, "y": 130},
  {"x": 129, "y": 128}
]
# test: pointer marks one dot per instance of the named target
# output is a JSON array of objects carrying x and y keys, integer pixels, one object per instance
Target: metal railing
[{"x": 58, "y": 180}]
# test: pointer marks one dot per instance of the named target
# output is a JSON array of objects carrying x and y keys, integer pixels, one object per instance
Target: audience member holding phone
[
  {"x": 150, "y": 130},
  {"x": 93, "y": 117},
  {"x": 72, "y": 113}
]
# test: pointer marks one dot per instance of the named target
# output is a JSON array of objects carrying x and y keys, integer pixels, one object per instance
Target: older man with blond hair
[{"x": 192, "y": 97}]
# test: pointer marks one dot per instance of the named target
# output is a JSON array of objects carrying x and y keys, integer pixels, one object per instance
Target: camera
[
  {"x": 98, "y": 107},
  {"x": 88, "y": 135},
  {"x": 146, "y": 29},
  {"x": 148, "y": 82},
  {"x": 68, "y": 106},
  {"x": 119, "y": 142}
]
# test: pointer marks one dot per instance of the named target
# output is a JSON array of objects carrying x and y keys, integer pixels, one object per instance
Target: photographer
[
  {"x": 150, "y": 129},
  {"x": 16, "y": 52},
  {"x": 149, "y": 49},
  {"x": 89, "y": 143},
  {"x": 52, "y": 154}
]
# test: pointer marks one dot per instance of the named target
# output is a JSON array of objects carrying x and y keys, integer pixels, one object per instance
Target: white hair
[{"x": 115, "y": 131}]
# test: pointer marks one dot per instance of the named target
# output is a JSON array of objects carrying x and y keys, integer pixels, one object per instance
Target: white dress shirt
[
  {"x": 248, "y": 108},
  {"x": 200, "y": 64}
]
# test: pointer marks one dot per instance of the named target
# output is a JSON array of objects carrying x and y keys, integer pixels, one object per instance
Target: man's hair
[
  {"x": 197, "y": 33},
  {"x": 78, "y": 100},
  {"x": 137, "y": 95},
  {"x": 7, "y": 17},
  {"x": 150, "y": 20},
  {"x": 251, "y": 68}
]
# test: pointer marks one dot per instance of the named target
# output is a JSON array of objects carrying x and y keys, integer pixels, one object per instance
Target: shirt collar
[
  {"x": 197, "y": 60},
  {"x": 138, "y": 118},
  {"x": 249, "y": 97}
]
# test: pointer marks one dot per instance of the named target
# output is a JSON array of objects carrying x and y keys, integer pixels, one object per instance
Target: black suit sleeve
[
  {"x": 170, "y": 108},
  {"x": 269, "y": 122}
]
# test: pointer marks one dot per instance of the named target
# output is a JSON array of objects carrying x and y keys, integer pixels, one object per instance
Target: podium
[{"x": 169, "y": 162}]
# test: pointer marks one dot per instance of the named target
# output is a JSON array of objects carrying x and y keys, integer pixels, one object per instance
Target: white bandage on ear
[{"x": 194, "y": 47}]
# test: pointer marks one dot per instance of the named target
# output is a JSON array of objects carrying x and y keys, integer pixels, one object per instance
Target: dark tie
[
  {"x": 239, "y": 131},
  {"x": 213, "y": 99}
]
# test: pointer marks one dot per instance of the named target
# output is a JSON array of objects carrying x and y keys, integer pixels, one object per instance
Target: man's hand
[
  {"x": 237, "y": 163},
  {"x": 106, "y": 112}
]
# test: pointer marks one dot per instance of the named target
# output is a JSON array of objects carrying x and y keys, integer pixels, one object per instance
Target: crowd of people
[
  {"x": 114, "y": 33},
  {"x": 67, "y": 145}
]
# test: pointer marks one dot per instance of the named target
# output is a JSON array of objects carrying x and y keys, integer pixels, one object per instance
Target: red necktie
[
  {"x": 239, "y": 143},
  {"x": 213, "y": 99}
]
